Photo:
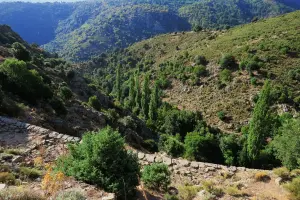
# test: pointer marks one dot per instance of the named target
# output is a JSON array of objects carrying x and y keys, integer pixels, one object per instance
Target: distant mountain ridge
[{"x": 81, "y": 30}]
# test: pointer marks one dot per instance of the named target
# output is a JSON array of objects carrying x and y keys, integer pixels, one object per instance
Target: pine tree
[
  {"x": 260, "y": 123},
  {"x": 137, "y": 90},
  {"x": 145, "y": 97},
  {"x": 131, "y": 92},
  {"x": 118, "y": 83},
  {"x": 154, "y": 100}
]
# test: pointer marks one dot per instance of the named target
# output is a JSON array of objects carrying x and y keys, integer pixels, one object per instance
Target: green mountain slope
[{"x": 269, "y": 47}]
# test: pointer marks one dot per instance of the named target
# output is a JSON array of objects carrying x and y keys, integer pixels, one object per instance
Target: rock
[
  {"x": 167, "y": 161},
  {"x": 195, "y": 165},
  {"x": 2, "y": 186},
  {"x": 109, "y": 197},
  {"x": 278, "y": 181},
  {"x": 150, "y": 158},
  {"x": 184, "y": 163},
  {"x": 202, "y": 194},
  {"x": 141, "y": 155},
  {"x": 158, "y": 159},
  {"x": 232, "y": 169},
  {"x": 210, "y": 169},
  {"x": 17, "y": 159}
]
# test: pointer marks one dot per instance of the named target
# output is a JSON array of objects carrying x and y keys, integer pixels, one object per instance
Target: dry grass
[
  {"x": 261, "y": 177},
  {"x": 20, "y": 194}
]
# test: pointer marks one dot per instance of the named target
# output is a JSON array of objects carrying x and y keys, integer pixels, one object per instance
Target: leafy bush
[
  {"x": 209, "y": 186},
  {"x": 8, "y": 178},
  {"x": 30, "y": 173},
  {"x": 253, "y": 81},
  {"x": 200, "y": 60},
  {"x": 156, "y": 176},
  {"x": 58, "y": 105},
  {"x": 286, "y": 144},
  {"x": 234, "y": 191},
  {"x": 201, "y": 147},
  {"x": 101, "y": 159},
  {"x": 112, "y": 115},
  {"x": 294, "y": 188},
  {"x": 20, "y": 194},
  {"x": 70, "y": 195},
  {"x": 282, "y": 172},
  {"x": 221, "y": 115},
  {"x": 170, "y": 197},
  {"x": 187, "y": 192},
  {"x": 171, "y": 145},
  {"x": 199, "y": 71},
  {"x": 20, "y": 52},
  {"x": 225, "y": 76},
  {"x": 65, "y": 92},
  {"x": 94, "y": 102},
  {"x": 28, "y": 84},
  {"x": 228, "y": 62},
  {"x": 295, "y": 173},
  {"x": 230, "y": 149},
  {"x": 261, "y": 176},
  {"x": 128, "y": 122},
  {"x": 150, "y": 145}
]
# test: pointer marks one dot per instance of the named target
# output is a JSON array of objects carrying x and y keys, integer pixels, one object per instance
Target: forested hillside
[{"x": 81, "y": 30}]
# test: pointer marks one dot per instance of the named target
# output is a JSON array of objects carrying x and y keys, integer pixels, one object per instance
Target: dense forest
[{"x": 81, "y": 30}]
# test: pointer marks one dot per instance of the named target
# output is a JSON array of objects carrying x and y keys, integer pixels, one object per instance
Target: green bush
[
  {"x": 230, "y": 148},
  {"x": 30, "y": 173},
  {"x": 20, "y": 52},
  {"x": 112, "y": 115},
  {"x": 58, "y": 105},
  {"x": 228, "y": 62},
  {"x": 156, "y": 176},
  {"x": 101, "y": 159},
  {"x": 150, "y": 145},
  {"x": 225, "y": 76},
  {"x": 8, "y": 178},
  {"x": 294, "y": 188},
  {"x": 70, "y": 195},
  {"x": 282, "y": 172},
  {"x": 128, "y": 122},
  {"x": 94, "y": 102},
  {"x": 28, "y": 84},
  {"x": 199, "y": 71},
  {"x": 65, "y": 92},
  {"x": 200, "y": 60},
  {"x": 253, "y": 81},
  {"x": 188, "y": 192},
  {"x": 170, "y": 197},
  {"x": 171, "y": 145},
  {"x": 221, "y": 115}
]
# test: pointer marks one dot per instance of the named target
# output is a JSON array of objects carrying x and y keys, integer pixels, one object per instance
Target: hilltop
[{"x": 81, "y": 30}]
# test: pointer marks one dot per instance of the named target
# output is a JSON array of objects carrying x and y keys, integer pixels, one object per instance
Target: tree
[
  {"x": 20, "y": 52},
  {"x": 137, "y": 90},
  {"x": 230, "y": 148},
  {"x": 145, "y": 97},
  {"x": 228, "y": 62},
  {"x": 132, "y": 92},
  {"x": 156, "y": 176},
  {"x": 286, "y": 144},
  {"x": 118, "y": 83},
  {"x": 154, "y": 101},
  {"x": 101, "y": 159},
  {"x": 260, "y": 123}
]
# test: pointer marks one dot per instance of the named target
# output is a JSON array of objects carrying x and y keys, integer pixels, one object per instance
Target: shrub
[
  {"x": 200, "y": 60},
  {"x": 230, "y": 148},
  {"x": 101, "y": 159},
  {"x": 30, "y": 173},
  {"x": 70, "y": 195},
  {"x": 58, "y": 105},
  {"x": 228, "y": 62},
  {"x": 156, "y": 176},
  {"x": 94, "y": 102},
  {"x": 294, "y": 188},
  {"x": 261, "y": 176},
  {"x": 112, "y": 115},
  {"x": 170, "y": 197},
  {"x": 253, "y": 81},
  {"x": 199, "y": 71},
  {"x": 65, "y": 92},
  {"x": 295, "y": 173},
  {"x": 221, "y": 115},
  {"x": 234, "y": 191},
  {"x": 225, "y": 76},
  {"x": 209, "y": 186},
  {"x": 128, "y": 122},
  {"x": 20, "y": 194},
  {"x": 150, "y": 145},
  {"x": 8, "y": 178},
  {"x": 282, "y": 172},
  {"x": 5, "y": 168},
  {"x": 188, "y": 192},
  {"x": 171, "y": 145},
  {"x": 28, "y": 84},
  {"x": 20, "y": 52}
]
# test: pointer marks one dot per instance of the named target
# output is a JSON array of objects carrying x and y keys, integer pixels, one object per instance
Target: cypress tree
[
  {"x": 154, "y": 100},
  {"x": 131, "y": 92},
  {"x": 137, "y": 90},
  {"x": 260, "y": 123},
  {"x": 145, "y": 97},
  {"x": 118, "y": 83}
]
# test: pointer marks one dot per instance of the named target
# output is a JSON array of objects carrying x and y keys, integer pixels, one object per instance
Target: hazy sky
[{"x": 40, "y": 0}]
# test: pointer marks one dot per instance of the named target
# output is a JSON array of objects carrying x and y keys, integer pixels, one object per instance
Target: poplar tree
[
  {"x": 260, "y": 123},
  {"x": 154, "y": 101},
  {"x": 131, "y": 92},
  {"x": 137, "y": 90},
  {"x": 118, "y": 83},
  {"x": 145, "y": 97}
]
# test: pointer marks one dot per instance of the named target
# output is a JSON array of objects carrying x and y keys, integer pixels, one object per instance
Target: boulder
[
  {"x": 279, "y": 181},
  {"x": 2, "y": 186},
  {"x": 109, "y": 197},
  {"x": 17, "y": 159},
  {"x": 167, "y": 161}
]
